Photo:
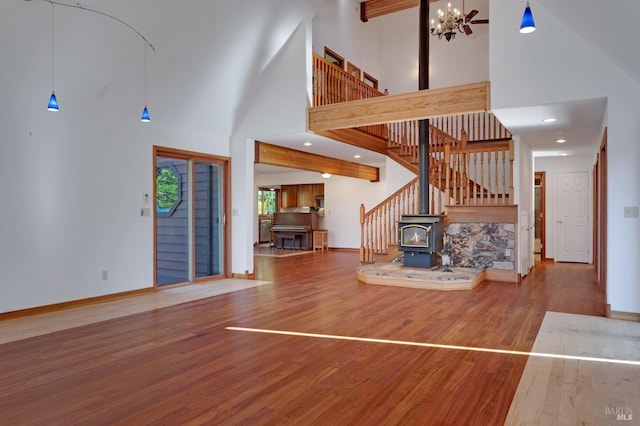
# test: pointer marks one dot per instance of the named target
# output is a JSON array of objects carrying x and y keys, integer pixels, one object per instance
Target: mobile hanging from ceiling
[{"x": 53, "y": 104}]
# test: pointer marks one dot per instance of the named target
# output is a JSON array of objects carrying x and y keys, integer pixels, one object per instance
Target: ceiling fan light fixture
[{"x": 453, "y": 21}]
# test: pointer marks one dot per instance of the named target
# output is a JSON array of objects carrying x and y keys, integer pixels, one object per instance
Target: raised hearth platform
[{"x": 395, "y": 274}]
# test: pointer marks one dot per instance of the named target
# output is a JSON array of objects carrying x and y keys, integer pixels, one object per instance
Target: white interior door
[{"x": 574, "y": 232}]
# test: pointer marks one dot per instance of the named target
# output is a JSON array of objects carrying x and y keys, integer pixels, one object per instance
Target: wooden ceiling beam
[
  {"x": 374, "y": 8},
  {"x": 418, "y": 105},
  {"x": 287, "y": 157},
  {"x": 357, "y": 138}
]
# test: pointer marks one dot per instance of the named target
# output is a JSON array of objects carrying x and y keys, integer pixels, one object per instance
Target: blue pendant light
[
  {"x": 145, "y": 115},
  {"x": 527, "y": 25},
  {"x": 53, "y": 103},
  {"x": 145, "y": 112}
]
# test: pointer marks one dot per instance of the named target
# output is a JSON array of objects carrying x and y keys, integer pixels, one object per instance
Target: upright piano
[{"x": 293, "y": 230}]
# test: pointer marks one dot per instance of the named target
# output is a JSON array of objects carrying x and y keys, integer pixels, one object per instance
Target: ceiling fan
[{"x": 468, "y": 19}]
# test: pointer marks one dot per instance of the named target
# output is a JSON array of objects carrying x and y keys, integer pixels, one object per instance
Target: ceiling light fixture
[
  {"x": 449, "y": 22},
  {"x": 356, "y": 156},
  {"x": 53, "y": 101},
  {"x": 308, "y": 144},
  {"x": 527, "y": 25},
  {"x": 326, "y": 175},
  {"x": 453, "y": 20},
  {"x": 561, "y": 140},
  {"x": 549, "y": 120}
]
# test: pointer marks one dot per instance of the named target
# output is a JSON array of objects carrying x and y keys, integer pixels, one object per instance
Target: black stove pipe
[{"x": 423, "y": 125}]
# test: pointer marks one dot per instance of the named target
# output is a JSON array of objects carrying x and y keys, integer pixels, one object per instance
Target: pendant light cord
[
  {"x": 145, "y": 75},
  {"x": 53, "y": 49},
  {"x": 79, "y": 6}
]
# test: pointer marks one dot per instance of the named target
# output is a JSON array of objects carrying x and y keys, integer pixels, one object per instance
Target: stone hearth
[{"x": 394, "y": 274}]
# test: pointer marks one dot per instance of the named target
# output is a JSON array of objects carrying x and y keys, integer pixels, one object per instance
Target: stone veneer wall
[{"x": 481, "y": 245}]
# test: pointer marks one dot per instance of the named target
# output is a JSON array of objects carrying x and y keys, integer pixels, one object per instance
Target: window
[
  {"x": 168, "y": 189},
  {"x": 266, "y": 201},
  {"x": 353, "y": 71},
  {"x": 334, "y": 58},
  {"x": 370, "y": 81}
]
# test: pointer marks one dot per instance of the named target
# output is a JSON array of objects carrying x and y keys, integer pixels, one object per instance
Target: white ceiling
[{"x": 578, "y": 122}]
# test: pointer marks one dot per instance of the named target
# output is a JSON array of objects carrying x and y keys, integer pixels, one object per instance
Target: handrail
[
  {"x": 463, "y": 175},
  {"x": 470, "y": 159},
  {"x": 379, "y": 226},
  {"x": 332, "y": 84}
]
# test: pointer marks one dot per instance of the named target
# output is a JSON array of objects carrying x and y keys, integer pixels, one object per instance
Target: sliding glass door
[
  {"x": 208, "y": 220},
  {"x": 190, "y": 226}
]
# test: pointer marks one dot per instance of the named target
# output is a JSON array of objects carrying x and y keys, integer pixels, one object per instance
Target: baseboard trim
[
  {"x": 627, "y": 316},
  {"x": 357, "y": 250},
  {"x": 72, "y": 304},
  {"x": 501, "y": 275},
  {"x": 245, "y": 276}
]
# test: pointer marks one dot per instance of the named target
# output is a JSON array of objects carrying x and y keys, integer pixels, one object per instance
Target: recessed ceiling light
[
  {"x": 356, "y": 156},
  {"x": 561, "y": 140},
  {"x": 549, "y": 120},
  {"x": 564, "y": 154},
  {"x": 308, "y": 144}
]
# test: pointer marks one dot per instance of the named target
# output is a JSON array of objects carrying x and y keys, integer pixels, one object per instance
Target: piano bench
[{"x": 289, "y": 237}]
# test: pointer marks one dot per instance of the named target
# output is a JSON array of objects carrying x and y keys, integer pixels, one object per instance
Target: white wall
[
  {"x": 337, "y": 26},
  {"x": 74, "y": 180},
  {"x": 464, "y": 59},
  {"x": 553, "y": 64},
  {"x": 387, "y": 47},
  {"x": 523, "y": 197}
]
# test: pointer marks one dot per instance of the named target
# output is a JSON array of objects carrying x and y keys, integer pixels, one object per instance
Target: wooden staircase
[{"x": 470, "y": 159}]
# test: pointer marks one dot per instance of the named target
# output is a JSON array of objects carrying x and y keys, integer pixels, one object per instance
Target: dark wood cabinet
[{"x": 303, "y": 195}]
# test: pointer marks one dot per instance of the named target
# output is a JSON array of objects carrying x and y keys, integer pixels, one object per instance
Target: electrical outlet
[{"x": 105, "y": 275}]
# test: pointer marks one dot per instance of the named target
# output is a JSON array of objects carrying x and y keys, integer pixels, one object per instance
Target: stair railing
[{"x": 379, "y": 226}]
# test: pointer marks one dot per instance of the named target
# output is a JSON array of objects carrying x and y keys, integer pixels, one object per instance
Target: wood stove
[{"x": 420, "y": 237}]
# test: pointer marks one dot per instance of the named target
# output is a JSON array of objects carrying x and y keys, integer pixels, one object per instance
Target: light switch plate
[{"x": 631, "y": 211}]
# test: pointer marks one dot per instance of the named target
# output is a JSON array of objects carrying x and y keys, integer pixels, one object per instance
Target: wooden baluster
[
  {"x": 474, "y": 159},
  {"x": 497, "y": 178},
  {"x": 481, "y": 183},
  {"x": 447, "y": 171},
  {"x": 511, "y": 157},
  {"x": 385, "y": 234},
  {"x": 361, "y": 232},
  {"x": 504, "y": 177}
]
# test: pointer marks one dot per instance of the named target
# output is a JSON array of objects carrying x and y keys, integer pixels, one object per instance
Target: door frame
[
  {"x": 191, "y": 157},
  {"x": 543, "y": 214},
  {"x": 600, "y": 210}
]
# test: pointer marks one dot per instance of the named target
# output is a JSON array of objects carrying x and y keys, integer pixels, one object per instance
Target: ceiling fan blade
[
  {"x": 470, "y": 15},
  {"x": 467, "y": 30},
  {"x": 480, "y": 21}
]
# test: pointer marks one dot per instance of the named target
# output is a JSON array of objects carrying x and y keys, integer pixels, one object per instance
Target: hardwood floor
[{"x": 181, "y": 365}]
